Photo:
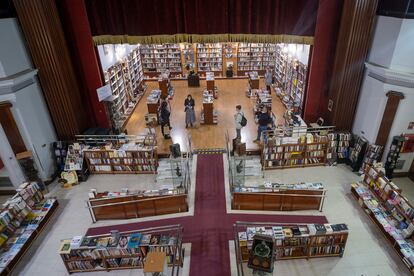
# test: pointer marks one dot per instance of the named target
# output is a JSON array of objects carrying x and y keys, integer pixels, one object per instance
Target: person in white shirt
[{"x": 237, "y": 120}]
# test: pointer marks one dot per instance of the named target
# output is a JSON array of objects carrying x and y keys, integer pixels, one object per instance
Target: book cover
[
  {"x": 76, "y": 242},
  {"x": 155, "y": 239},
  {"x": 89, "y": 242},
  {"x": 134, "y": 240},
  {"x": 260, "y": 230},
  {"x": 295, "y": 231},
  {"x": 242, "y": 238},
  {"x": 172, "y": 240},
  {"x": 287, "y": 232},
  {"x": 64, "y": 247},
  {"x": 123, "y": 241},
  {"x": 145, "y": 239},
  {"x": 113, "y": 241},
  {"x": 102, "y": 242},
  {"x": 251, "y": 231},
  {"x": 164, "y": 239}
]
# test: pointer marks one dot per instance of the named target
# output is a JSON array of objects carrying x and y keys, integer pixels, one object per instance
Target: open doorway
[{"x": 11, "y": 143}]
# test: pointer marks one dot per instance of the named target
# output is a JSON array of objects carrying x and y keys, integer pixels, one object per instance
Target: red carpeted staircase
[{"x": 210, "y": 229}]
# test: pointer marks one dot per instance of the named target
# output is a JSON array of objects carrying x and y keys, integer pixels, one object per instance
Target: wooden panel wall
[
  {"x": 11, "y": 129},
  {"x": 45, "y": 39},
  {"x": 351, "y": 51}
]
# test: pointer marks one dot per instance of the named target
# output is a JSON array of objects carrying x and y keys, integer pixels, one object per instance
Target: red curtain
[{"x": 157, "y": 17}]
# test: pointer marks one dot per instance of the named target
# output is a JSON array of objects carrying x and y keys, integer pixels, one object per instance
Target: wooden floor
[{"x": 231, "y": 93}]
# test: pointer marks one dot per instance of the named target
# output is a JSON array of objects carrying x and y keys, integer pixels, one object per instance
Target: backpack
[{"x": 243, "y": 121}]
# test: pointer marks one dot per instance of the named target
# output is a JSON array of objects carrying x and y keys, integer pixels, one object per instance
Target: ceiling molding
[{"x": 390, "y": 76}]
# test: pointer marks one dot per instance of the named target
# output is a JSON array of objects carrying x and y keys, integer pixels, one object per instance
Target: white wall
[
  {"x": 371, "y": 105},
  {"x": 391, "y": 59},
  {"x": 13, "y": 55},
  {"x": 386, "y": 32},
  {"x": 403, "y": 57},
  {"x": 109, "y": 54},
  {"x": 38, "y": 130}
]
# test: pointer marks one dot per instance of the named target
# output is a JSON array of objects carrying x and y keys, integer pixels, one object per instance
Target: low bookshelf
[
  {"x": 382, "y": 201},
  {"x": 122, "y": 250},
  {"x": 130, "y": 204},
  {"x": 279, "y": 197},
  {"x": 291, "y": 241},
  {"x": 292, "y": 152},
  {"x": 137, "y": 156},
  {"x": 22, "y": 219}
]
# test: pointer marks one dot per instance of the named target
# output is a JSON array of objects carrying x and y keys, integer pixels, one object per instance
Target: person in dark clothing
[
  {"x": 164, "y": 116},
  {"x": 189, "y": 111},
  {"x": 264, "y": 120}
]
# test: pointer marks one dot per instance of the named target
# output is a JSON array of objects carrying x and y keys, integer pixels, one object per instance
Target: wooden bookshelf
[
  {"x": 30, "y": 201},
  {"x": 285, "y": 152},
  {"x": 255, "y": 57},
  {"x": 95, "y": 253},
  {"x": 382, "y": 201},
  {"x": 126, "y": 82},
  {"x": 145, "y": 204},
  {"x": 101, "y": 161},
  {"x": 279, "y": 197},
  {"x": 209, "y": 58},
  {"x": 294, "y": 241},
  {"x": 157, "y": 58},
  {"x": 357, "y": 153}
]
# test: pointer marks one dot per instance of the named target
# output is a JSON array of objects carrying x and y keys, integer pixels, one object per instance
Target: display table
[
  {"x": 292, "y": 197},
  {"x": 208, "y": 115},
  {"x": 193, "y": 81},
  {"x": 253, "y": 80},
  {"x": 144, "y": 204},
  {"x": 153, "y": 101}
]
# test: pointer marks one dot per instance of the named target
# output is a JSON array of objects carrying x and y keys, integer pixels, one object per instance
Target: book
[
  {"x": 287, "y": 232},
  {"x": 123, "y": 241},
  {"x": 89, "y": 242},
  {"x": 251, "y": 231},
  {"x": 295, "y": 231},
  {"x": 145, "y": 240},
  {"x": 320, "y": 229},
  {"x": 102, "y": 242},
  {"x": 172, "y": 241},
  {"x": 164, "y": 239},
  {"x": 242, "y": 238},
  {"x": 134, "y": 240},
  {"x": 113, "y": 241},
  {"x": 155, "y": 239},
  {"x": 76, "y": 242},
  {"x": 64, "y": 247}
]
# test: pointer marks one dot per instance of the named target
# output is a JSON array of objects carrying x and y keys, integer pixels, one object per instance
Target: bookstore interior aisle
[
  {"x": 231, "y": 93},
  {"x": 366, "y": 252}
]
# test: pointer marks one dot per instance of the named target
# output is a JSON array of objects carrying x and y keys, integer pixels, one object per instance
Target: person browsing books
[
  {"x": 189, "y": 111},
  {"x": 264, "y": 120},
  {"x": 238, "y": 121},
  {"x": 268, "y": 79},
  {"x": 164, "y": 117}
]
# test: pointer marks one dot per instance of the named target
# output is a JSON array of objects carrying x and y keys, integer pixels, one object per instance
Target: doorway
[{"x": 11, "y": 143}]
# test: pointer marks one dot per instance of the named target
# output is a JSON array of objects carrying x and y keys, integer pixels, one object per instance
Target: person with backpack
[
  {"x": 264, "y": 120},
  {"x": 240, "y": 121},
  {"x": 164, "y": 117}
]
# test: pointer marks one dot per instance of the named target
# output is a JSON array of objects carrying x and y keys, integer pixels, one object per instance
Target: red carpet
[{"x": 210, "y": 229}]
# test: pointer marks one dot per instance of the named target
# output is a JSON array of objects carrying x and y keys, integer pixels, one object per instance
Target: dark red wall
[
  {"x": 78, "y": 34},
  {"x": 323, "y": 55}
]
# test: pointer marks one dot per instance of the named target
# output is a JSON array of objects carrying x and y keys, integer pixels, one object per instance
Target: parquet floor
[{"x": 231, "y": 93}]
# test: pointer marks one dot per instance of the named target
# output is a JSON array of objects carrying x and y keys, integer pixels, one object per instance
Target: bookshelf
[
  {"x": 255, "y": 57},
  {"x": 139, "y": 157},
  {"x": 279, "y": 197},
  {"x": 372, "y": 155},
  {"x": 22, "y": 218},
  {"x": 357, "y": 153},
  {"x": 125, "y": 79},
  {"x": 210, "y": 58},
  {"x": 343, "y": 143},
  {"x": 291, "y": 152},
  {"x": 292, "y": 241},
  {"x": 136, "y": 204},
  {"x": 157, "y": 58},
  {"x": 393, "y": 155},
  {"x": 123, "y": 250},
  {"x": 382, "y": 201}
]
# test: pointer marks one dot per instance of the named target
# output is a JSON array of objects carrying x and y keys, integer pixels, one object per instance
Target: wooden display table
[
  {"x": 163, "y": 84},
  {"x": 136, "y": 206},
  {"x": 209, "y": 116},
  {"x": 253, "y": 80},
  {"x": 153, "y": 107}
]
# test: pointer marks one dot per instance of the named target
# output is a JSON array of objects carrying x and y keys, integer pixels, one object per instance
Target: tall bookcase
[
  {"x": 210, "y": 58},
  {"x": 157, "y": 58},
  {"x": 393, "y": 155},
  {"x": 255, "y": 57},
  {"x": 291, "y": 241},
  {"x": 126, "y": 250},
  {"x": 291, "y": 152},
  {"x": 126, "y": 82}
]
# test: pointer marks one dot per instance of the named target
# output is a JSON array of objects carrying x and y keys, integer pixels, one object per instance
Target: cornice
[
  {"x": 14, "y": 83},
  {"x": 390, "y": 76}
]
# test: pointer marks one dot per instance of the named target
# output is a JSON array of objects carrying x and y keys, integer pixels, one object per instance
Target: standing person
[
  {"x": 263, "y": 119},
  {"x": 238, "y": 117},
  {"x": 268, "y": 79},
  {"x": 164, "y": 117},
  {"x": 189, "y": 111}
]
